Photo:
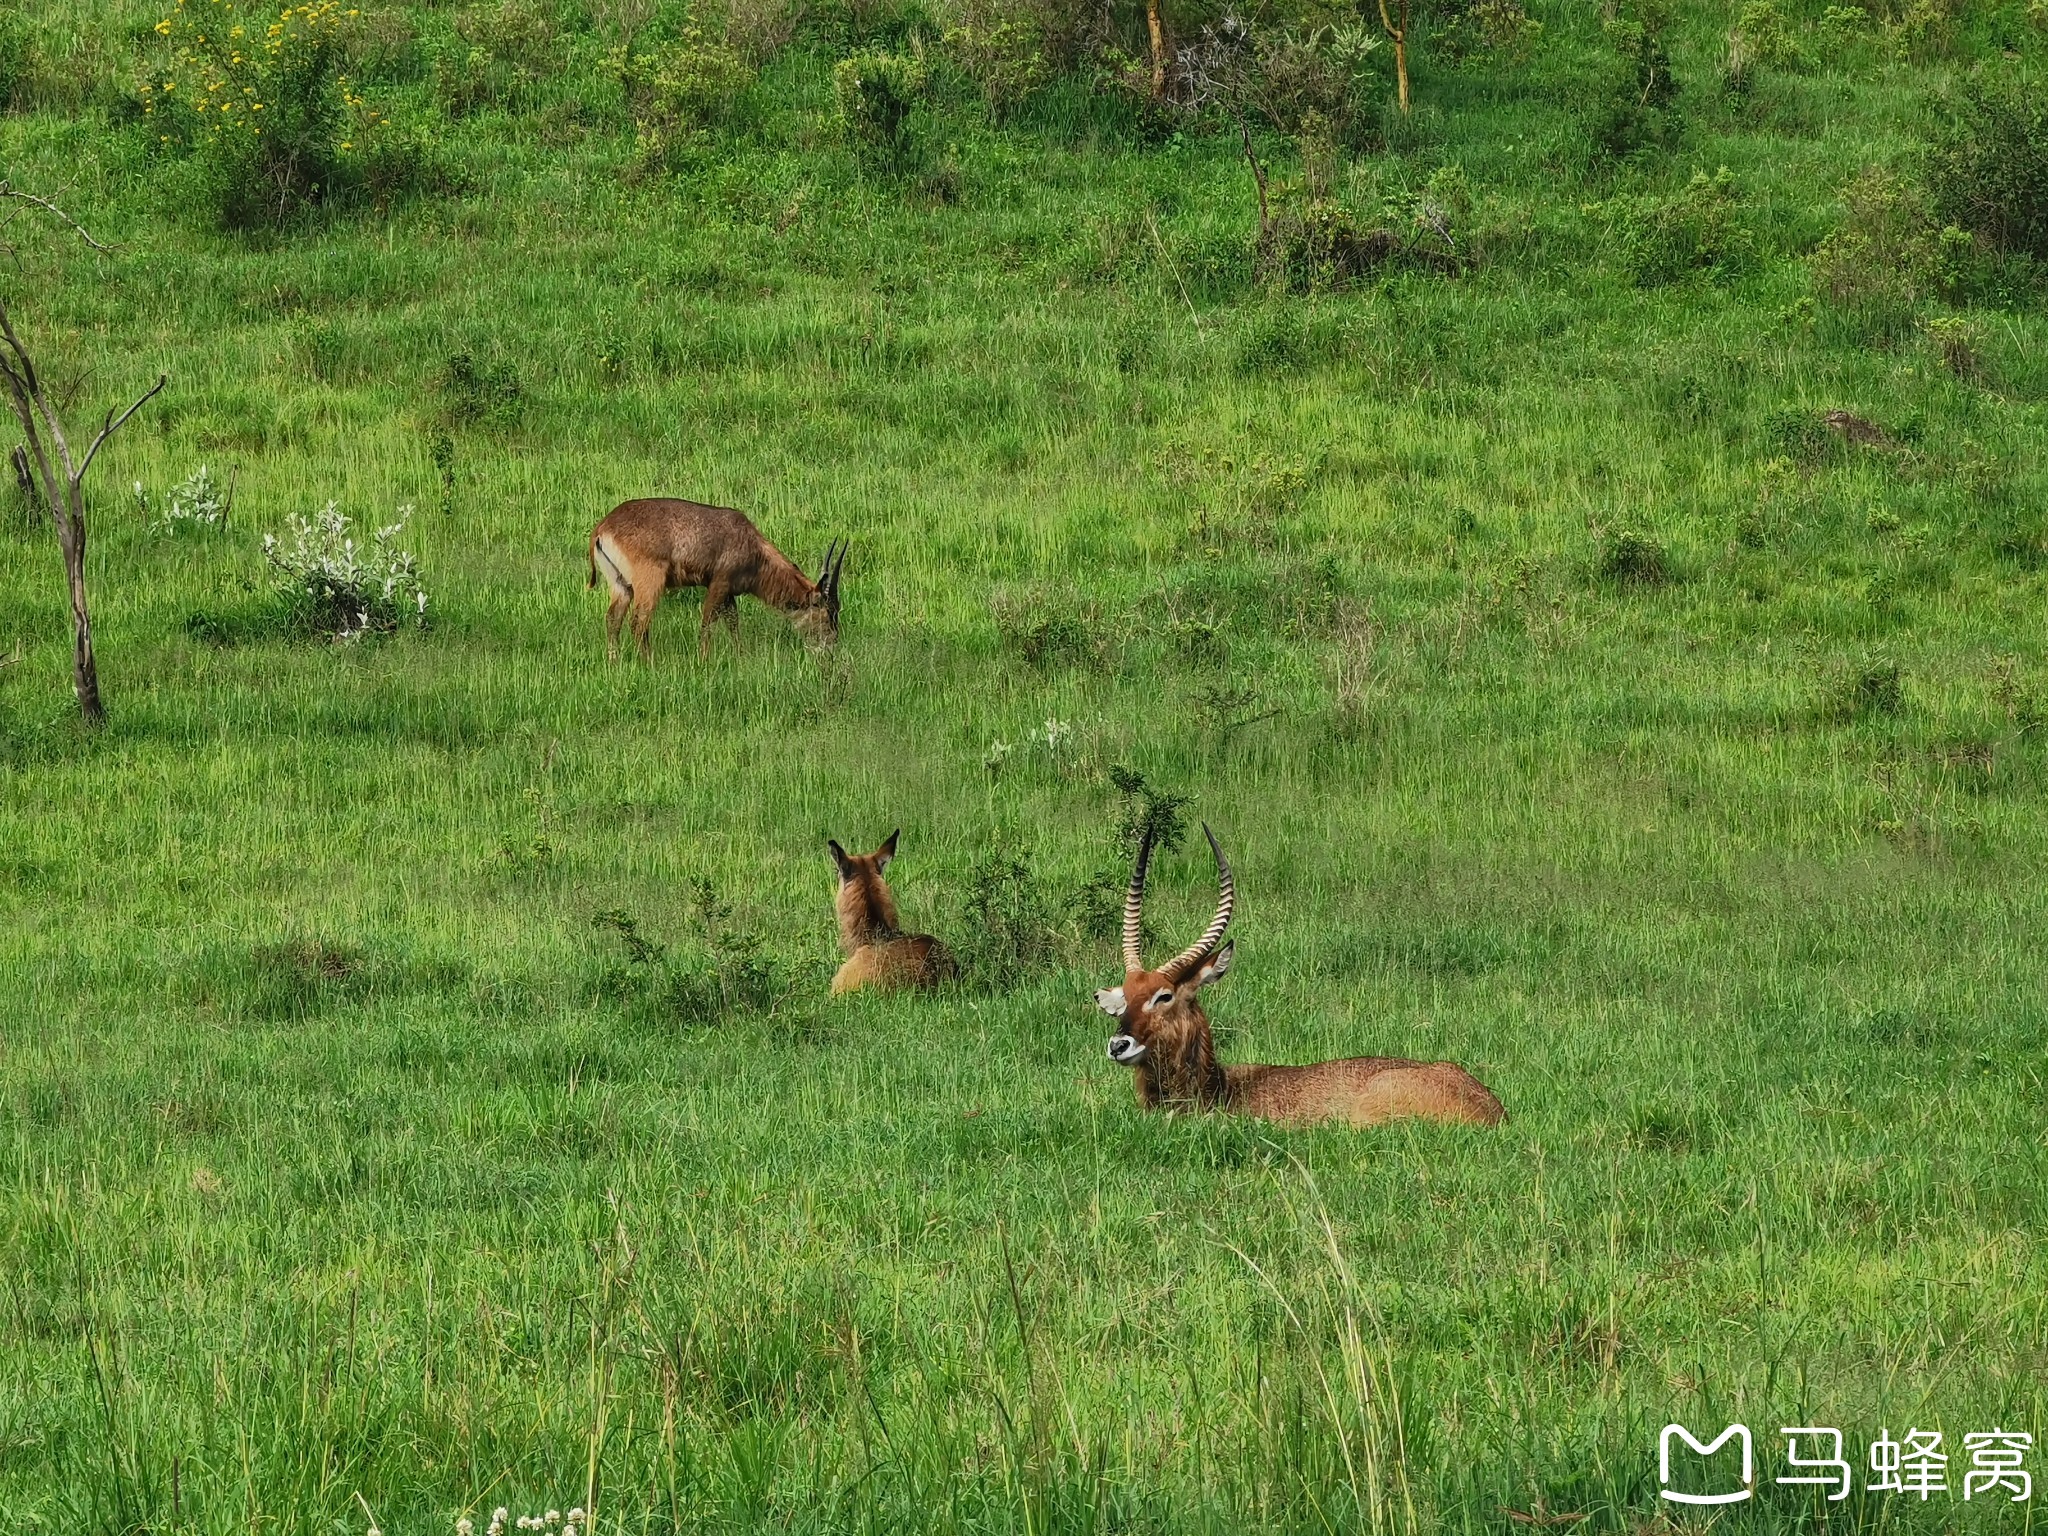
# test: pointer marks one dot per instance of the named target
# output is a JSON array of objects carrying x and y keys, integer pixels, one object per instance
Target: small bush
[
  {"x": 331, "y": 586},
  {"x": 1762, "y": 38},
  {"x": 275, "y": 123},
  {"x": 878, "y": 96},
  {"x": 1496, "y": 29},
  {"x": 1698, "y": 230},
  {"x": 198, "y": 502},
  {"x": 1012, "y": 923},
  {"x": 1637, "y": 108},
  {"x": 1632, "y": 559},
  {"x": 1049, "y": 633},
  {"x": 481, "y": 394},
  {"x": 14, "y": 52},
  {"x": 1988, "y": 167},
  {"x": 1877, "y": 687},
  {"x": 1312, "y": 244},
  {"x": 1882, "y": 260},
  {"x": 1005, "y": 51},
  {"x": 726, "y": 970},
  {"x": 1959, "y": 343},
  {"x": 679, "y": 91},
  {"x": 502, "y": 55}
]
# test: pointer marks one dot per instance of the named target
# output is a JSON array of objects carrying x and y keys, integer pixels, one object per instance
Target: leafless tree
[{"x": 56, "y": 469}]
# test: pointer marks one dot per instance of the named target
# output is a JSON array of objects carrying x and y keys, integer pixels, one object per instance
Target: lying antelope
[
  {"x": 1165, "y": 1039},
  {"x": 645, "y": 547},
  {"x": 878, "y": 952}
]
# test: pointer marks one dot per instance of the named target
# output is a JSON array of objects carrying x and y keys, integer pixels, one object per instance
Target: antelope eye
[{"x": 1163, "y": 995}]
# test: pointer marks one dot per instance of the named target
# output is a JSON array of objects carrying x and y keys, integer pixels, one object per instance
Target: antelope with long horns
[
  {"x": 1163, "y": 1036},
  {"x": 642, "y": 548},
  {"x": 878, "y": 952}
]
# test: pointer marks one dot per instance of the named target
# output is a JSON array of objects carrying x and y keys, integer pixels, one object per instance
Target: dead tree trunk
[{"x": 60, "y": 476}]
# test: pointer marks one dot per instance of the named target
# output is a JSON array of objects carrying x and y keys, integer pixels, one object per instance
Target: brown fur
[
  {"x": 643, "y": 548},
  {"x": 878, "y": 952},
  {"x": 1179, "y": 1069}
]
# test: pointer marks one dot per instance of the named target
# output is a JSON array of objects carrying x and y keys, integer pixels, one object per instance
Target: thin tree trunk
[
  {"x": 1157, "y": 28},
  {"x": 85, "y": 672},
  {"x": 1400, "y": 36}
]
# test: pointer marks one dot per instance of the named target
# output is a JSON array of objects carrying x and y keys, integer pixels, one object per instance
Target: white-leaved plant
[
  {"x": 337, "y": 586},
  {"x": 549, "y": 1524},
  {"x": 198, "y": 501}
]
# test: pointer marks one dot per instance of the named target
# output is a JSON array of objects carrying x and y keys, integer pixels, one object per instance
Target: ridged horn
[
  {"x": 840, "y": 565},
  {"x": 1177, "y": 969},
  {"x": 1134, "y": 906}
]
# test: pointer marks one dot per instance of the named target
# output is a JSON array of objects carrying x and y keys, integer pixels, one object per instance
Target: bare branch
[
  {"x": 115, "y": 423},
  {"x": 8, "y": 189}
]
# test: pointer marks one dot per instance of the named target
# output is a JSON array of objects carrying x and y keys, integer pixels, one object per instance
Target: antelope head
[
  {"x": 817, "y": 618},
  {"x": 1159, "y": 1012}
]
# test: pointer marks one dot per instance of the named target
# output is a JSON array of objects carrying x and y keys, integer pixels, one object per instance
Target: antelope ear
[
  {"x": 1216, "y": 966},
  {"x": 839, "y": 857},
  {"x": 887, "y": 851},
  {"x": 1111, "y": 1001}
]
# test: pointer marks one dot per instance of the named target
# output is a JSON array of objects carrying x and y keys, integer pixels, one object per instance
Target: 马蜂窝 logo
[{"x": 1736, "y": 1432}]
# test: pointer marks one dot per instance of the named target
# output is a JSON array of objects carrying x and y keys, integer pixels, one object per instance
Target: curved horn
[
  {"x": 844, "y": 546},
  {"x": 1178, "y": 967},
  {"x": 825, "y": 569},
  {"x": 1134, "y": 905}
]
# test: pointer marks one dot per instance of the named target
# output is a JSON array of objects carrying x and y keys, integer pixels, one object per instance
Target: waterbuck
[
  {"x": 878, "y": 952},
  {"x": 643, "y": 548},
  {"x": 1164, "y": 1038}
]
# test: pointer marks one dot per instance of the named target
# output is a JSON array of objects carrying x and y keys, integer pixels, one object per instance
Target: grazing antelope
[
  {"x": 878, "y": 953},
  {"x": 1164, "y": 1038},
  {"x": 645, "y": 547}
]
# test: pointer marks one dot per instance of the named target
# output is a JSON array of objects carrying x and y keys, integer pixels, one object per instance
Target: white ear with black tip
[{"x": 1111, "y": 1001}]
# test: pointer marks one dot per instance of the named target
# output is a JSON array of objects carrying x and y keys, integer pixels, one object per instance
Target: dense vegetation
[{"x": 1582, "y": 541}]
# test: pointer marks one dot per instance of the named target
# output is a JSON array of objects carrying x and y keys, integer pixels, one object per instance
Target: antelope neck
[
  {"x": 1183, "y": 1069},
  {"x": 866, "y": 915}
]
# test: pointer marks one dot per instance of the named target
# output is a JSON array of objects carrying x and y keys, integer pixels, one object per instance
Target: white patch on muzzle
[{"x": 1125, "y": 1051}]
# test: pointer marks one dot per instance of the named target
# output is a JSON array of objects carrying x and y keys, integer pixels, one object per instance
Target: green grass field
[{"x": 354, "y": 1174}]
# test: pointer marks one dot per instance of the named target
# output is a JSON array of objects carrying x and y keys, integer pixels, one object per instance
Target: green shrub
[
  {"x": 1877, "y": 687},
  {"x": 1012, "y": 921},
  {"x": 14, "y": 52},
  {"x": 273, "y": 120},
  {"x": 878, "y": 96},
  {"x": 680, "y": 90},
  {"x": 481, "y": 394},
  {"x": 724, "y": 970},
  {"x": 1763, "y": 36},
  {"x": 501, "y": 55},
  {"x": 1988, "y": 167},
  {"x": 1496, "y": 29},
  {"x": 1698, "y": 229},
  {"x": 1005, "y": 51},
  {"x": 1632, "y": 559},
  {"x": 1637, "y": 108},
  {"x": 1880, "y": 261}
]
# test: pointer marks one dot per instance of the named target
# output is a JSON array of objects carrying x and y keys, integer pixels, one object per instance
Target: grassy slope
[{"x": 1756, "y": 983}]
